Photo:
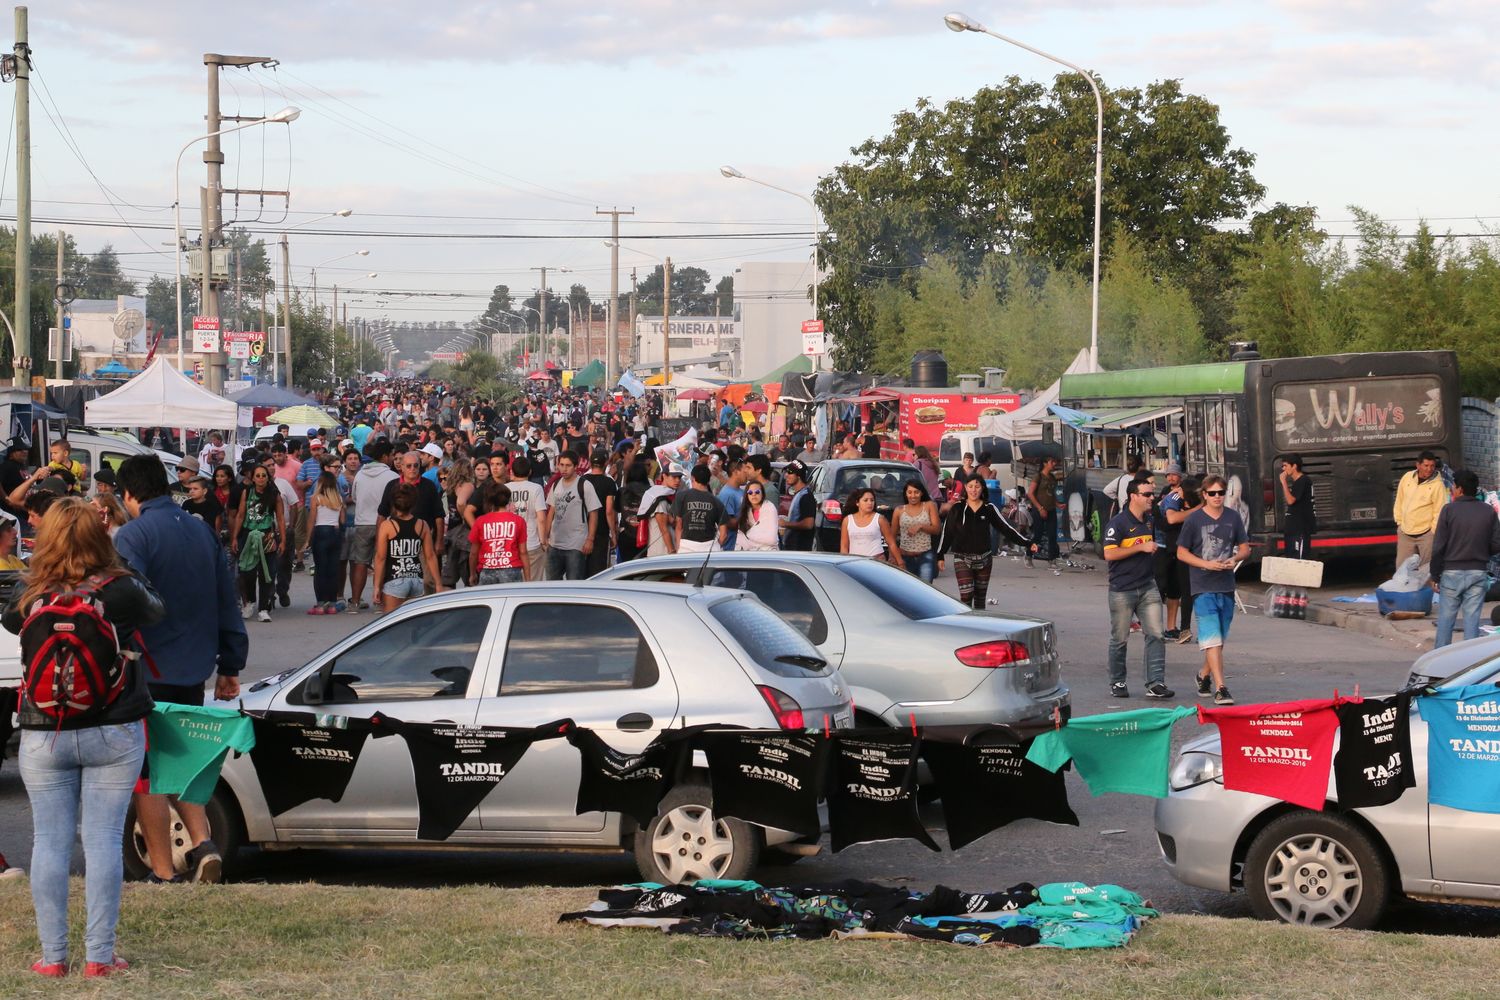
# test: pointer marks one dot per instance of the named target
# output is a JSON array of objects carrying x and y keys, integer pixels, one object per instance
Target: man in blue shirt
[
  {"x": 201, "y": 635},
  {"x": 732, "y": 496},
  {"x": 1212, "y": 543},
  {"x": 1130, "y": 550}
]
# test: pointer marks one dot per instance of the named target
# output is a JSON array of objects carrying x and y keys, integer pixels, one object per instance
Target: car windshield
[
  {"x": 775, "y": 646},
  {"x": 1480, "y": 673},
  {"x": 902, "y": 591},
  {"x": 888, "y": 482}
]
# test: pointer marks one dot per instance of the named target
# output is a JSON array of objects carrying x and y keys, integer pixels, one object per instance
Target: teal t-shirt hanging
[
  {"x": 1126, "y": 752},
  {"x": 187, "y": 744},
  {"x": 1463, "y": 747}
]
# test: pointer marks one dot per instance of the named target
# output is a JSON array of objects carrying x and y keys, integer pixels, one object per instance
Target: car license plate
[
  {"x": 843, "y": 720},
  {"x": 1362, "y": 514}
]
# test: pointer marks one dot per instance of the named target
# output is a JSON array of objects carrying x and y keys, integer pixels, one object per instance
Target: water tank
[{"x": 929, "y": 370}]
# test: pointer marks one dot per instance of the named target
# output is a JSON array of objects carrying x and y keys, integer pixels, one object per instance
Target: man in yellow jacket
[{"x": 1419, "y": 498}]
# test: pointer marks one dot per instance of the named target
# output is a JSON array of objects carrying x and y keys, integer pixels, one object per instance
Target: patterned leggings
[{"x": 973, "y": 573}]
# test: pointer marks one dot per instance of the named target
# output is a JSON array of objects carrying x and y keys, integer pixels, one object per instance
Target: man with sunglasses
[
  {"x": 1212, "y": 542},
  {"x": 1130, "y": 550}
]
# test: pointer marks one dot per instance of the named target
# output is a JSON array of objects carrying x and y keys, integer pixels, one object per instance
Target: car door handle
[{"x": 635, "y": 722}]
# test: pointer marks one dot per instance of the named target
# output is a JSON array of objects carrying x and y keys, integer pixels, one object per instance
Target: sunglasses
[
  {"x": 755, "y": 493},
  {"x": 1213, "y": 493},
  {"x": 1148, "y": 494}
]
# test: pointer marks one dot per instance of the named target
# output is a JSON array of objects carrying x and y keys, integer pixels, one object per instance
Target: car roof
[
  {"x": 613, "y": 589},
  {"x": 731, "y": 559},
  {"x": 839, "y": 463}
]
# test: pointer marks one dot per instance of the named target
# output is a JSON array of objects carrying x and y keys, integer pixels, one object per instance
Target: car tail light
[
  {"x": 1267, "y": 493},
  {"x": 833, "y": 510},
  {"x": 1002, "y": 653},
  {"x": 788, "y": 713}
]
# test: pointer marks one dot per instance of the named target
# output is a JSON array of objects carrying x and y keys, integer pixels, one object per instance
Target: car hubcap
[
  {"x": 181, "y": 842},
  {"x": 691, "y": 844},
  {"x": 1313, "y": 880}
]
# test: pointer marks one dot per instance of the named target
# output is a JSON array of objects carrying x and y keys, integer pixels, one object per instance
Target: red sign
[
  {"x": 205, "y": 334},
  {"x": 926, "y": 415},
  {"x": 242, "y": 336},
  {"x": 812, "y": 326},
  {"x": 446, "y": 355}
]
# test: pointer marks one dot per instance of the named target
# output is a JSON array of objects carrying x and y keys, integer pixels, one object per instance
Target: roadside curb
[{"x": 1356, "y": 622}]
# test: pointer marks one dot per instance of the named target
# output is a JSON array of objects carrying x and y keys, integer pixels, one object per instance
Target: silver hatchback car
[
  {"x": 627, "y": 661},
  {"x": 1337, "y": 867},
  {"x": 906, "y": 649}
]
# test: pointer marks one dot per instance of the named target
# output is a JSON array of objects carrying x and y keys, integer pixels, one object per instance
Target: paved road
[{"x": 1268, "y": 660}]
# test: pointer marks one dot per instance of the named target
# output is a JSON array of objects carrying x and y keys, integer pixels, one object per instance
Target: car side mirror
[{"x": 312, "y": 691}]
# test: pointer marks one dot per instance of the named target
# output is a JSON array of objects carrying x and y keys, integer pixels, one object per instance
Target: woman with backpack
[
  {"x": 257, "y": 535},
  {"x": 637, "y": 482},
  {"x": 80, "y": 755}
]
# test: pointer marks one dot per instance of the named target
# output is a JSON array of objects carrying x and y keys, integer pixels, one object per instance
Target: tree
[
  {"x": 1010, "y": 171},
  {"x": 725, "y": 291},
  {"x": 500, "y": 305},
  {"x": 690, "y": 294},
  {"x": 102, "y": 278}
]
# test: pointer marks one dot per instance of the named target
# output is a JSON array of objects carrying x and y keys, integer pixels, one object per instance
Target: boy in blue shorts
[{"x": 1212, "y": 542}]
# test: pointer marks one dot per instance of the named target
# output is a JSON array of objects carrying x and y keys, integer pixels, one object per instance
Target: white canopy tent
[
  {"x": 1025, "y": 424},
  {"x": 160, "y": 396}
]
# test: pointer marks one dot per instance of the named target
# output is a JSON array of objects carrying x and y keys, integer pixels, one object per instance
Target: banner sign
[
  {"x": 206, "y": 334},
  {"x": 1367, "y": 412}
]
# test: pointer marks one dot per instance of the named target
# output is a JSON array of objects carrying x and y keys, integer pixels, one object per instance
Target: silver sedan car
[
  {"x": 907, "y": 649},
  {"x": 1338, "y": 867},
  {"x": 627, "y": 661}
]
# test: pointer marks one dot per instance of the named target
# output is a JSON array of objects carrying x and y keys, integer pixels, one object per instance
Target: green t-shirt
[
  {"x": 187, "y": 746},
  {"x": 1124, "y": 752}
]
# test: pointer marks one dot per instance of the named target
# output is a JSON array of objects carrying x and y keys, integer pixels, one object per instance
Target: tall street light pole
[
  {"x": 286, "y": 297},
  {"x": 962, "y": 22},
  {"x": 285, "y": 115}
]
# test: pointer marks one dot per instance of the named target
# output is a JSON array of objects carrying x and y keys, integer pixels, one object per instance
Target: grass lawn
[{"x": 312, "y": 941}]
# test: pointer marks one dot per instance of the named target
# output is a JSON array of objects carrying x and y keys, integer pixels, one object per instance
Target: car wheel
[
  {"x": 224, "y": 828},
  {"x": 1318, "y": 870},
  {"x": 686, "y": 841}
]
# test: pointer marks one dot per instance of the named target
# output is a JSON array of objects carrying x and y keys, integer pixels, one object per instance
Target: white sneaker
[
  {"x": 246, "y": 610},
  {"x": 6, "y": 873},
  {"x": 264, "y": 616}
]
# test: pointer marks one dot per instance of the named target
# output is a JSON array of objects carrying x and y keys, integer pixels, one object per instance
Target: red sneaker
[
  {"x": 54, "y": 970},
  {"x": 94, "y": 970}
]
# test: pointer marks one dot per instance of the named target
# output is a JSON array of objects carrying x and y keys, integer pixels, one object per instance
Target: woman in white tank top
[{"x": 864, "y": 532}]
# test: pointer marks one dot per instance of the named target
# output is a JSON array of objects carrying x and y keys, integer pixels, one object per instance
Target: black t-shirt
[
  {"x": 10, "y": 703},
  {"x": 429, "y": 506},
  {"x": 12, "y": 474},
  {"x": 803, "y": 506},
  {"x": 701, "y": 514},
  {"x": 772, "y": 780},
  {"x": 206, "y": 509},
  {"x": 1374, "y": 766},
  {"x": 1300, "y": 517},
  {"x": 604, "y": 488},
  {"x": 455, "y": 767},
  {"x": 873, "y": 791},
  {"x": 299, "y": 757},
  {"x": 985, "y": 787},
  {"x": 629, "y": 783}
]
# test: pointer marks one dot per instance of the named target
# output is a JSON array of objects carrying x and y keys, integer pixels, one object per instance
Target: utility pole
[
  {"x": 21, "y": 333},
  {"x": 333, "y": 337},
  {"x": 213, "y": 193},
  {"x": 266, "y": 333},
  {"x": 611, "y": 335},
  {"x": 666, "y": 322},
  {"x": 62, "y": 333},
  {"x": 542, "y": 318},
  {"x": 286, "y": 307},
  {"x": 632, "y": 316}
]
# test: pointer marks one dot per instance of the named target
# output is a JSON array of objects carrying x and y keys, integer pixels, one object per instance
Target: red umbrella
[
  {"x": 538, "y": 376},
  {"x": 695, "y": 394},
  {"x": 756, "y": 407}
]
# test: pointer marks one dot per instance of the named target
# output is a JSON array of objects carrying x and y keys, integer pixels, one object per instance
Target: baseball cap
[
  {"x": 106, "y": 476},
  {"x": 189, "y": 463},
  {"x": 313, "y": 432},
  {"x": 798, "y": 468},
  {"x": 432, "y": 450},
  {"x": 674, "y": 470},
  {"x": 17, "y": 444},
  {"x": 1173, "y": 470},
  {"x": 316, "y": 444}
]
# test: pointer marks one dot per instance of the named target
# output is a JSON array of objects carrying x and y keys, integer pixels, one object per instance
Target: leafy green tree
[
  {"x": 725, "y": 290},
  {"x": 690, "y": 292},
  {"x": 1010, "y": 170},
  {"x": 499, "y": 305}
]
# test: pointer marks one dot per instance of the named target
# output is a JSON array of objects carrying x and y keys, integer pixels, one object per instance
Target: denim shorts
[
  {"x": 403, "y": 587},
  {"x": 1214, "y": 613}
]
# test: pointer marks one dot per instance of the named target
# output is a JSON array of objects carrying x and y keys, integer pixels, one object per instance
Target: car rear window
[
  {"x": 902, "y": 591},
  {"x": 888, "y": 482},
  {"x": 774, "y": 645}
]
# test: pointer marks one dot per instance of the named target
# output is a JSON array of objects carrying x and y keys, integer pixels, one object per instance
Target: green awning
[
  {"x": 590, "y": 375},
  {"x": 801, "y": 363}
]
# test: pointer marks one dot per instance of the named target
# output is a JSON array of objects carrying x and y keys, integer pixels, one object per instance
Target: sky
[{"x": 510, "y": 123}]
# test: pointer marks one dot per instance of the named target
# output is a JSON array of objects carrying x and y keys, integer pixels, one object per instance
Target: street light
[
  {"x": 285, "y": 116},
  {"x": 962, "y": 22},
  {"x": 330, "y": 260}
]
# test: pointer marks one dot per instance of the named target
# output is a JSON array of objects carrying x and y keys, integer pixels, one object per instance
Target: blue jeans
[
  {"x": 326, "y": 542},
  {"x": 1144, "y": 603},
  {"x": 91, "y": 770},
  {"x": 923, "y": 565},
  {"x": 489, "y": 576},
  {"x": 1460, "y": 589},
  {"x": 566, "y": 564}
]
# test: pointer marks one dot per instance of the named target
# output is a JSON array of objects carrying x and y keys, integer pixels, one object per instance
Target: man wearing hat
[
  {"x": 187, "y": 470},
  {"x": 656, "y": 510},
  {"x": 13, "y": 475},
  {"x": 432, "y": 457},
  {"x": 1170, "y": 577},
  {"x": 800, "y": 524}
]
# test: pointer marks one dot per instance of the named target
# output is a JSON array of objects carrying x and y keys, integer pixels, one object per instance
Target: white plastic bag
[{"x": 1409, "y": 576}]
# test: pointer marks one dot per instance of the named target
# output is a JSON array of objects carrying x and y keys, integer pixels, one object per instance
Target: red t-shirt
[
  {"x": 1283, "y": 750},
  {"x": 498, "y": 540}
]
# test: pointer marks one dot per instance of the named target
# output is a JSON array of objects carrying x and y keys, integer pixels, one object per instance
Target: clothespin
[
  {"x": 1356, "y": 690},
  {"x": 913, "y": 717},
  {"x": 1056, "y": 717},
  {"x": 826, "y": 733}
]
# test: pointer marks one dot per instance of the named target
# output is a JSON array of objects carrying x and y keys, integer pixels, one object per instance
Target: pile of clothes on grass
[{"x": 1057, "y": 915}]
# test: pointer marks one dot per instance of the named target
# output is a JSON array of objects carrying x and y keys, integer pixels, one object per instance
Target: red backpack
[{"x": 74, "y": 662}]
